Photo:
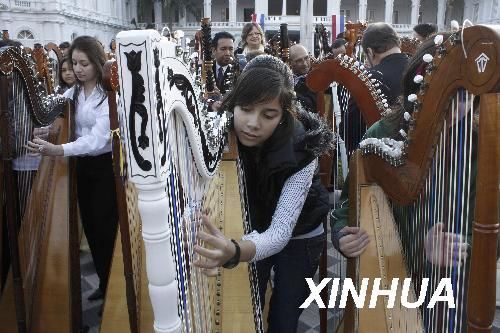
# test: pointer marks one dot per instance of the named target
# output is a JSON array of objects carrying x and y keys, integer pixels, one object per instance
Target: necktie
[{"x": 220, "y": 78}]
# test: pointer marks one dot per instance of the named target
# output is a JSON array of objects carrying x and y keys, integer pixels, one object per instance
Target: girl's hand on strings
[
  {"x": 42, "y": 147},
  {"x": 215, "y": 249},
  {"x": 445, "y": 248}
]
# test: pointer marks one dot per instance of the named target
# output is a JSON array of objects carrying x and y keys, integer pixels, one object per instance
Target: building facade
[
  {"x": 303, "y": 15},
  {"x": 44, "y": 21}
]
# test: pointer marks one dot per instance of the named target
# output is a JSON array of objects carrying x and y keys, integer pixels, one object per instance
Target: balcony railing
[
  {"x": 22, "y": 3},
  {"x": 402, "y": 26},
  {"x": 193, "y": 25}
]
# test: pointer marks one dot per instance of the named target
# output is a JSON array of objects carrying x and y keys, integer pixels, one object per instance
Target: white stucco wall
[{"x": 56, "y": 21}]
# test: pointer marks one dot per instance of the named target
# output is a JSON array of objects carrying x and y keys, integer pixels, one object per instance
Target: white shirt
[
  {"x": 292, "y": 199},
  {"x": 217, "y": 66},
  {"x": 91, "y": 125}
]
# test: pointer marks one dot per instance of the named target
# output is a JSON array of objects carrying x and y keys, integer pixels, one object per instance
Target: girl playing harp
[
  {"x": 95, "y": 179},
  {"x": 279, "y": 144}
]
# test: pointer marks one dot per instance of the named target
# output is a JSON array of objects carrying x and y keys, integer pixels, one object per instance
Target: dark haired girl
[
  {"x": 279, "y": 144},
  {"x": 95, "y": 179},
  {"x": 66, "y": 75}
]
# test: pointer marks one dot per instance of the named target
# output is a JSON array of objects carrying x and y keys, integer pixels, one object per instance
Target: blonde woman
[{"x": 252, "y": 39}]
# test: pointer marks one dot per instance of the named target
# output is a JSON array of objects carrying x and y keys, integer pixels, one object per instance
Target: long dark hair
[
  {"x": 63, "y": 85},
  {"x": 95, "y": 52},
  {"x": 264, "y": 79}
]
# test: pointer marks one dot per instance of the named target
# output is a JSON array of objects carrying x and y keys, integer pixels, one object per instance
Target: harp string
[{"x": 444, "y": 201}]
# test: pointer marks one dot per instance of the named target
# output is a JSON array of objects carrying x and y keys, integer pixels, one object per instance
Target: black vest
[{"x": 266, "y": 176}]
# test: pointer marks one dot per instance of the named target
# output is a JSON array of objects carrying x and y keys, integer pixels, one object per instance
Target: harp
[
  {"x": 409, "y": 45},
  {"x": 41, "y": 290},
  {"x": 353, "y": 34},
  {"x": 284, "y": 43},
  {"x": 444, "y": 182},
  {"x": 55, "y": 57},
  {"x": 173, "y": 147},
  {"x": 126, "y": 307},
  {"x": 353, "y": 76},
  {"x": 43, "y": 68},
  {"x": 356, "y": 80},
  {"x": 321, "y": 46}
]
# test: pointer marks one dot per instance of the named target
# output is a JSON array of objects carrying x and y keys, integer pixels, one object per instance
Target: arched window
[
  {"x": 25, "y": 34},
  {"x": 73, "y": 36}
]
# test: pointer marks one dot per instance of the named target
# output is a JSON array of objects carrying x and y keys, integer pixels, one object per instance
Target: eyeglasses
[{"x": 251, "y": 34}]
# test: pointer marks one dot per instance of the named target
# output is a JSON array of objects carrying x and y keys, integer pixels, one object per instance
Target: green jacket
[
  {"x": 340, "y": 215},
  {"x": 381, "y": 129}
]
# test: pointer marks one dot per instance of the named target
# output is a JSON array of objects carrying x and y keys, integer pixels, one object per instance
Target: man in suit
[{"x": 223, "y": 51}]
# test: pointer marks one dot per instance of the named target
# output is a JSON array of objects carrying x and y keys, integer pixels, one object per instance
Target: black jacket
[
  {"x": 265, "y": 177},
  {"x": 221, "y": 87},
  {"x": 389, "y": 73}
]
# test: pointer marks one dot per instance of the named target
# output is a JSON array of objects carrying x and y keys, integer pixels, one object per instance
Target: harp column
[{"x": 142, "y": 123}]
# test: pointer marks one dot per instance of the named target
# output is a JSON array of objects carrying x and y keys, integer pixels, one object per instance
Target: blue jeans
[{"x": 297, "y": 261}]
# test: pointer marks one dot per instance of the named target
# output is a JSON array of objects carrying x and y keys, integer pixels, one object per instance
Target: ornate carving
[{"x": 137, "y": 106}]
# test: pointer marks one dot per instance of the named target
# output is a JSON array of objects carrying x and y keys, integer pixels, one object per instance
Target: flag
[{"x": 338, "y": 25}]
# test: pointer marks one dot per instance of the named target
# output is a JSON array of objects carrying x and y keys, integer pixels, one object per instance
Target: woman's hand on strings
[
  {"x": 41, "y": 132},
  {"x": 445, "y": 248},
  {"x": 353, "y": 242},
  {"x": 41, "y": 147},
  {"x": 220, "y": 249}
]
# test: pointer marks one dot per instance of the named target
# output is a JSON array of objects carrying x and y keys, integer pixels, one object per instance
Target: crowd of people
[{"x": 280, "y": 138}]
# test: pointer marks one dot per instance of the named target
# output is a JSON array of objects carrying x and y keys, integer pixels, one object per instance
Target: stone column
[
  {"x": 232, "y": 13},
  {"x": 362, "y": 10},
  {"x": 331, "y": 6},
  {"x": 207, "y": 8},
  {"x": 389, "y": 9},
  {"x": 158, "y": 6},
  {"x": 183, "y": 17},
  {"x": 441, "y": 12},
  {"x": 283, "y": 8},
  {"x": 415, "y": 11},
  {"x": 306, "y": 24}
]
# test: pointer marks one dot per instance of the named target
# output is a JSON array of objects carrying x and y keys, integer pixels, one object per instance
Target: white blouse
[
  {"x": 91, "y": 125},
  {"x": 292, "y": 199}
]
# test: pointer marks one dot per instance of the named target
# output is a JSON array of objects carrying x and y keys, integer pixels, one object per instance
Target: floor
[{"x": 309, "y": 320}]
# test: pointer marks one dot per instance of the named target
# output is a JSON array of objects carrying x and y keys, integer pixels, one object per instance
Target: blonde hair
[{"x": 247, "y": 29}]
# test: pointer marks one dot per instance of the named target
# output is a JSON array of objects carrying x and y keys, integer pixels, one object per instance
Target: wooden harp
[
  {"x": 42, "y": 287},
  {"x": 445, "y": 183}
]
